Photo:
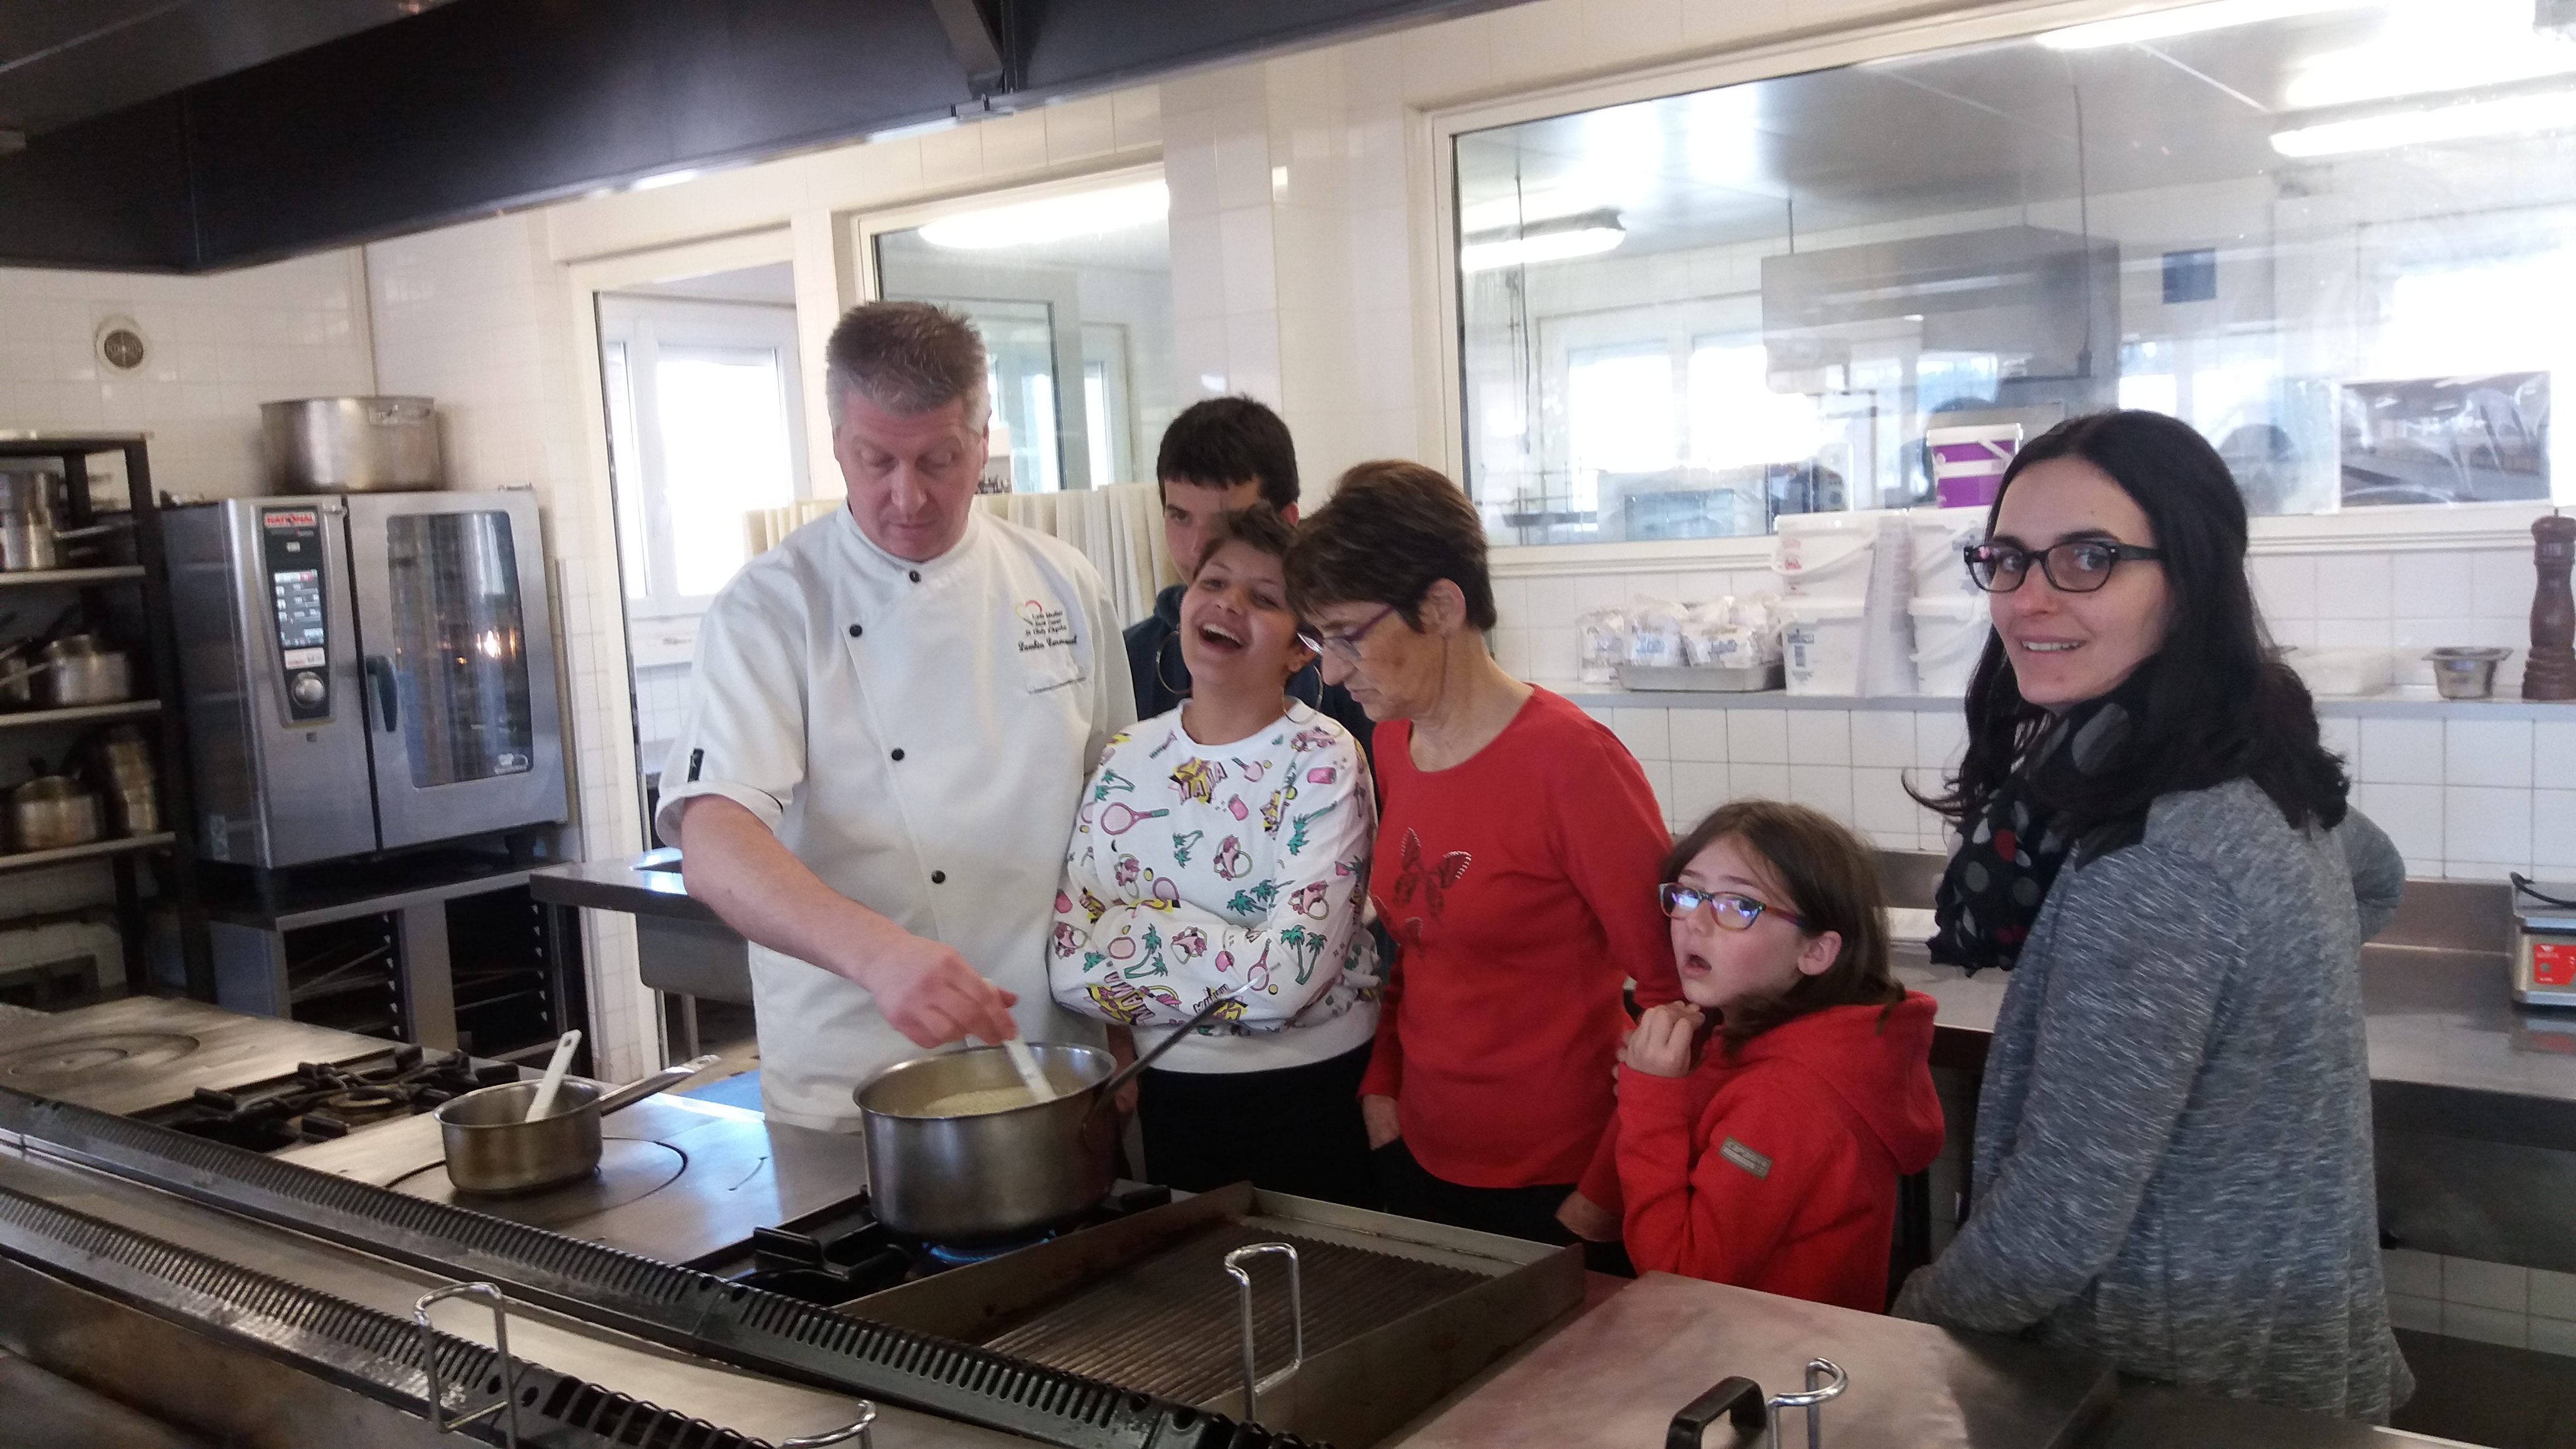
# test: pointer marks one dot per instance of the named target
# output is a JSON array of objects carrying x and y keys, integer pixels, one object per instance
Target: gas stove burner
[
  {"x": 962, "y": 1256},
  {"x": 364, "y": 1104},
  {"x": 320, "y": 1101},
  {"x": 87, "y": 1053}
]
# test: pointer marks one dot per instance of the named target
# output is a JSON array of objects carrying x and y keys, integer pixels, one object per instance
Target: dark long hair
[
  {"x": 2219, "y": 705},
  {"x": 1830, "y": 879}
]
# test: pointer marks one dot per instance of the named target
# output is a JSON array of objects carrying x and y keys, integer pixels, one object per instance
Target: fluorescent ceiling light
[
  {"x": 2185, "y": 20},
  {"x": 1504, "y": 213},
  {"x": 660, "y": 179},
  {"x": 1033, "y": 223},
  {"x": 2510, "y": 115},
  {"x": 1586, "y": 235}
]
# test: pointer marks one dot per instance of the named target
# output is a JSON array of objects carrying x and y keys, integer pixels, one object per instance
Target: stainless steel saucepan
[
  {"x": 987, "y": 1176},
  {"x": 492, "y": 1149}
]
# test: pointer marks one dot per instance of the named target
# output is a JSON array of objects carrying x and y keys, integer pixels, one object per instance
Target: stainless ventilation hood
[{"x": 2045, "y": 304}]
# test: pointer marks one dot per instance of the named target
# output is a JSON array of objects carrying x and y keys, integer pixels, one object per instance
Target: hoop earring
[{"x": 1180, "y": 690}]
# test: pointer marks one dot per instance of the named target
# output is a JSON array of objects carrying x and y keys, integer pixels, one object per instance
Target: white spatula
[
  {"x": 544, "y": 1101},
  {"x": 1026, "y": 1063}
]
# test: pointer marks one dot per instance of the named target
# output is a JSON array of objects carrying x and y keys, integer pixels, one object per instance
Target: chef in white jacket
[{"x": 894, "y": 712}]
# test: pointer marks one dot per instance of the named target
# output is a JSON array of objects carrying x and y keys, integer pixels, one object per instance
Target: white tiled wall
[
  {"x": 2488, "y": 1302},
  {"x": 218, "y": 347}
]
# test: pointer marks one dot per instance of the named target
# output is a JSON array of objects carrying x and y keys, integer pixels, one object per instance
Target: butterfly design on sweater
[{"x": 1431, "y": 880}]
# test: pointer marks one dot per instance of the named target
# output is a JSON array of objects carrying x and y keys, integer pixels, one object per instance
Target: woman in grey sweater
[{"x": 2173, "y": 1143}]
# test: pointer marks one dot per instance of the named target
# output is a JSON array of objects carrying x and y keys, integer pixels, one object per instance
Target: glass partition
[
  {"x": 2336, "y": 239},
  {"x": 1073, "y": 296}
]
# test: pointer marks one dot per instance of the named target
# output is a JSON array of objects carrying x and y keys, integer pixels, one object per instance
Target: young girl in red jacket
[{"x": 1765, "y": 1118}]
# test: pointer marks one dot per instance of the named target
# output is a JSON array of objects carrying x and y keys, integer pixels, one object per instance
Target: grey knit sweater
[{"x": 2173, "y": 1159}]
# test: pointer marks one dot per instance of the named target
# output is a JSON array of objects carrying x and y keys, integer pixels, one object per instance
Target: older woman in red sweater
[{"x": 1517, "y": 853}]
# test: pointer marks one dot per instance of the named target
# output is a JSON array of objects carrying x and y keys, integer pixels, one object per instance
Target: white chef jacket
[{"x": 918, "y": 735}]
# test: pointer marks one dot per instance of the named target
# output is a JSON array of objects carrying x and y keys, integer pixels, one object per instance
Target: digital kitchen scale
[{"x": 2544, "y": 944}]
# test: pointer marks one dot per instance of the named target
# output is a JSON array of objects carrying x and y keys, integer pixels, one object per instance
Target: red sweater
[
  {"x": 1776, "y": 1169},
  {"x": 1520, "y": 889}
]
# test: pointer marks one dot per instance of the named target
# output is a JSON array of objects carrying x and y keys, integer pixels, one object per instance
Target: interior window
[{"x": 2334, "y": 239}]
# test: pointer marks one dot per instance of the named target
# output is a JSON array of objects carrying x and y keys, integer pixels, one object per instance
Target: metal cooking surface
[
  {"x": 1170, "y": 1323},
  {"x": 628, "y": 1169},
  {"x": 680, "y": 1180},
  {"x": 141, "y": 1052}
]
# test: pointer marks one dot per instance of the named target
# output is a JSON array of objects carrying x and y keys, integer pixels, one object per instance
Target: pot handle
[{"x": 661, "y": 1081}]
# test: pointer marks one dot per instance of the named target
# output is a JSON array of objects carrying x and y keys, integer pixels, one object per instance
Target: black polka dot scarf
[{"x": 1999, "y": 877}]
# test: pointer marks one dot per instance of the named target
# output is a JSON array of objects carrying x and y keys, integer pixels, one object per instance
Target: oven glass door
[{"x": 458, "y": 670}]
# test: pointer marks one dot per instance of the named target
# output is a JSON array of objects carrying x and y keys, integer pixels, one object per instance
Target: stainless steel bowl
[
  {"x": 994, "y": 1175},
  {"x": 2466, "y": 673}
]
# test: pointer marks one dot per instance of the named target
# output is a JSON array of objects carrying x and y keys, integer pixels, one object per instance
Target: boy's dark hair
[
  {"x": 1221, "y": 441},
  {"x": 1829, "y": 878},
  {"x": 2224, "y": 707},
  {"x": 1391, "y": 531},
  {"x": 1259, "y": 527}
]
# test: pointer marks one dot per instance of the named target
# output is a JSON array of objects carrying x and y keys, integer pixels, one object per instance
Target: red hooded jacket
[{"x": 1776, "y": 1168}]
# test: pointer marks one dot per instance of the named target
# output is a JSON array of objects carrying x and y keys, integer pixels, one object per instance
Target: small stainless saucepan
[
  {"x": 84, "y": 669},
  {"x": 492, "y": 1149}
]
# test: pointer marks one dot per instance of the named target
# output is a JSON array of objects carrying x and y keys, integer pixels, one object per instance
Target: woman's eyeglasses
[
  {"x": 1345, "y": 645},
  {"x": 2079, "y": 566},
  {"x": 1734, "y": 912}
]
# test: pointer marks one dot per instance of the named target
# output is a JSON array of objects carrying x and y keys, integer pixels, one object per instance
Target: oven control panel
[{"x": 291, "y": 556}]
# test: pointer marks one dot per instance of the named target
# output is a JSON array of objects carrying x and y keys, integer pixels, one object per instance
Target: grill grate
[
  {"x": 693, "y": 1311},
  {"x": 1170, "y": 1323},
  {"x": 374, "y": 1353}
]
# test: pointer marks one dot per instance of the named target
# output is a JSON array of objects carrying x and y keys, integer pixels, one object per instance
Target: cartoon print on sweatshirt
[
  {"x": 1203, "y": 903},
  {"x": 1198, "y": 778}
]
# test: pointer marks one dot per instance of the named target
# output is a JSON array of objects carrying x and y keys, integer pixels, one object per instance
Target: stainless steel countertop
[{"x": 621, "y": 885}]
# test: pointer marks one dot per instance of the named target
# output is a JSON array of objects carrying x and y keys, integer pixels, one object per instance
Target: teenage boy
[{"x": 1220, "y": 454}]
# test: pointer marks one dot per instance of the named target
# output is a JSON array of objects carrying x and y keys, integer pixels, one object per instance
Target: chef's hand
[
  {"x": 1663, "y": 1042},
  {"x": 1587, "y": 1219},
  {"x": 1379, "y": 1114},
  {"x": 925, "y": 990}
]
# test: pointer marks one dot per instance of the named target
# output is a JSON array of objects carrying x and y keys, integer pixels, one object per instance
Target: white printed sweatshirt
[{"x": 1195, "y": 869}]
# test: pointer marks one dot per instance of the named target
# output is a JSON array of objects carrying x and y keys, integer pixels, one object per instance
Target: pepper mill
[{"x": 2550, "y": 672}]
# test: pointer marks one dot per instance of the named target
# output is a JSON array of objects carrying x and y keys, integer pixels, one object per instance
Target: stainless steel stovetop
[
  {"x": 142, "y": 1052},
  {"x": 680, "y": 1180}
]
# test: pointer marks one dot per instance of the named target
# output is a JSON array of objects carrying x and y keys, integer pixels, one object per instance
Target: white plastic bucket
[
  {"x": 1824, "y": 553},
  {"x": 1821, "y": 648},
  {"x": 1949, "y": 634},
  {"x": 1939, "y": 536},
  {"x": 1968, "y": 463}
]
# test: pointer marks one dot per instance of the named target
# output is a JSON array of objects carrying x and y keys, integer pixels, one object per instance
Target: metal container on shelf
[
  {"x": 52, "y": 812},
  {"x": 27, "y": 489},
  {"x": 132, "y": 781},
  {"x": 84, "y": 669},
  {"x": 353, "y": 444}
]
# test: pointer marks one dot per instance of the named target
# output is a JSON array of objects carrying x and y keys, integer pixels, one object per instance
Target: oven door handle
[{"x": 380, "y": 680}]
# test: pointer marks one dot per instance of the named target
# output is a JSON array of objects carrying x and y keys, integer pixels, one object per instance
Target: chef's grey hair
[{"x": 907, "y": 357}]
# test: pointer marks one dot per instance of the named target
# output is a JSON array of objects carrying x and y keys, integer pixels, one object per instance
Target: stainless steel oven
[{"x": 366, "y": 672}]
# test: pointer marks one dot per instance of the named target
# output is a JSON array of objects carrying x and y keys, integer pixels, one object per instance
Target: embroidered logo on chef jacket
[
  {"x": 1745, "y": 1157},
  {"x": 1043, "y": 628}
]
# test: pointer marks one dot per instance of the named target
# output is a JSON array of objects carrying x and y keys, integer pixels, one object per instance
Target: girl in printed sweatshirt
[
  {"x": 1765, "y": 1118},
  {"x": 1224, "y": 847}
]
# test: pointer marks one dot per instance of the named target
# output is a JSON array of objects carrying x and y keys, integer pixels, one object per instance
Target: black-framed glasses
[
  {"x": 1346, "y": 644},
  {"x": 2078, "y": 566},
  {"x": 1734, "y": 912}
]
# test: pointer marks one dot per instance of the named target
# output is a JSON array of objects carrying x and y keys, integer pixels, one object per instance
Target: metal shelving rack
[{"x": 172, "y": 853}]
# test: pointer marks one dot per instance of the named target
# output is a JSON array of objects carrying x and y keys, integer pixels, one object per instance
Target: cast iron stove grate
[
  {"x": 830, "y": 1263},
  {"x": 320, "y": 1101}
]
